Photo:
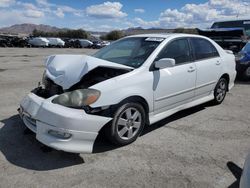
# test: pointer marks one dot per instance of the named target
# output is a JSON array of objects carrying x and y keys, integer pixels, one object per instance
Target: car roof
[{"x": 166, "y": 35}]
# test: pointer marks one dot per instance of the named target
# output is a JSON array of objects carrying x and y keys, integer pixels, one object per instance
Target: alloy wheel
[
  {"x": 129, "y": 123},
  {"x": 221, "y": 91}
]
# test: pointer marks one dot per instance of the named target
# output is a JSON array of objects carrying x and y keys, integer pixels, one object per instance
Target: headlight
[{"x": 78, "y": 98}]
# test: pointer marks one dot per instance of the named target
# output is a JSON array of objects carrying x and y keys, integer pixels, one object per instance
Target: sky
[{"x": 96, "y": 15}]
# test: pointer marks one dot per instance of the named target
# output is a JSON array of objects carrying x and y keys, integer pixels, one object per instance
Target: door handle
[
  {"x": 217, "y": 63},
  {"x": 191, "y": 69}
]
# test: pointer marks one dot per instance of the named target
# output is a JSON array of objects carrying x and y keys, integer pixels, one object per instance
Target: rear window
[{"x": 203, "y": 49}]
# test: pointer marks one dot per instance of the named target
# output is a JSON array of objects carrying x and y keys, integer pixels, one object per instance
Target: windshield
[
  {"x": 233, "y": 24},
  {"x": 129, "y": 51}
]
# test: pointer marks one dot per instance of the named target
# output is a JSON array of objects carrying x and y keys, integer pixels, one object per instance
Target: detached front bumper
[{"x": 60, "y": 127}]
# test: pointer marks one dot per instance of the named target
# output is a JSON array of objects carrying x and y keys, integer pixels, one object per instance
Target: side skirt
[{"x": 153, "y": 118}]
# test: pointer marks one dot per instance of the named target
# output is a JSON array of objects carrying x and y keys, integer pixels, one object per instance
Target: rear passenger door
[{"x": 208, "y": 66}]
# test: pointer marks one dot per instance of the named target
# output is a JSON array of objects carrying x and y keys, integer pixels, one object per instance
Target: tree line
[
  {"x": 112, "y": 35},
  {"x": 79, "y": 33}
]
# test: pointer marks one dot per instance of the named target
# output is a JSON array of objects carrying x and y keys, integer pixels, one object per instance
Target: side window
[
  {"x": 178, "y": 50},
  {"x": 203, "y": 49}
]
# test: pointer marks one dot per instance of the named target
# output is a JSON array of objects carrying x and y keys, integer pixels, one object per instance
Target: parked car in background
[
  {"x": 105, "y": 43},
  {"x": 245, "y": 177},
  {"x": 39, "y": 42},
  {"x": 243, "y": 62},
  {"x": 72, "y": 43},
  {"x": 97, "y": 45},
  {"x": 136, "y": 80},
  {"x": 56, "y": 42},
  {"x": 19, "y": 42},
  {"x": 230, "y": 34},
  {"x": 4, "y": 42},
  {"x": 100, "y": 44},
  {"x": 85, "y": 43}
]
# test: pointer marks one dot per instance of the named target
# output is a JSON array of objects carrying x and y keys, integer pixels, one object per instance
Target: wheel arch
[
  {"x": 136, "y": 99},
  {"x": 227, "y": 77}
]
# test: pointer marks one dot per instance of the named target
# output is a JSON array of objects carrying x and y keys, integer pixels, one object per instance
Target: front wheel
[
  {"x": 127, "y": 124},
  {"x": 220, "y": 91}
]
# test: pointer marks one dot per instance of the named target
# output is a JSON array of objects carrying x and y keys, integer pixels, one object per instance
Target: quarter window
[
  {"x": 178, "y": 50},
  {"x": 203, "y": 49}
]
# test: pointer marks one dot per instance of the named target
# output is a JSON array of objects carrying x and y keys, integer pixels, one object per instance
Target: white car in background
[
  {"x": 85, "y": 43},
  {"x": 39, "y": 42},
  {"x": 56, "y": 42},
  {"x": 134, "y": 81}
]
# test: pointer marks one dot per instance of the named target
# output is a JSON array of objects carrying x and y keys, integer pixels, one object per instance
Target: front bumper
[{"x": 42, "y": 116}]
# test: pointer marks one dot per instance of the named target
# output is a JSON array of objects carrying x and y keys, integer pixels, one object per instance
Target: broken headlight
[{"x": 78, "y": 98}]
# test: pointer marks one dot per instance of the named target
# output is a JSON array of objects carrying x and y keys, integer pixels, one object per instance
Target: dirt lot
[{"x": 189, "y": 149}]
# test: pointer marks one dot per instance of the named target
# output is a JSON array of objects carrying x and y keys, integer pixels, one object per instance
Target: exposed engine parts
[{"x": 93, "y": 77}]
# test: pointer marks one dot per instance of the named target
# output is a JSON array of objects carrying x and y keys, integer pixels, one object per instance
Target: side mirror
[{"x": 164, "y": 63}]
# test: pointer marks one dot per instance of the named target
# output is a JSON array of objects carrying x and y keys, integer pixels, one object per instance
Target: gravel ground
[{"x": 189, "y": 149}]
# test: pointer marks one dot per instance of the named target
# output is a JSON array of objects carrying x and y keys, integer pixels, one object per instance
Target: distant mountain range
[{"x": 28, "y": 28}]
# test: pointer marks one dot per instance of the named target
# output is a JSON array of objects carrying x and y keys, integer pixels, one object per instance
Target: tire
[
  {"x": 127, "y": 124},
  {"x": 220, "y": 91}
]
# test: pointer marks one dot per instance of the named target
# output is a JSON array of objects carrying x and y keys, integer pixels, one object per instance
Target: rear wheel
[
  {"x": 127, "y": 124},
  {"x": 220, "y": 91}
]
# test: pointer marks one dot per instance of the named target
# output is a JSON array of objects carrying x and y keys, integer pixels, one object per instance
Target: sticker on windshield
[
  {"x": 154, "y": 39},
  {"x": 246, "y": 22}
]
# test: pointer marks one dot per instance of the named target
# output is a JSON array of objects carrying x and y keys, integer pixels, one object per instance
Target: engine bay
[{"x": 95, "y": 76}]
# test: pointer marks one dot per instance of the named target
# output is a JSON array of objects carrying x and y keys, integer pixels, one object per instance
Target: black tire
[
  {"x": 114, "y": 130},
  {"x": 220, "y": 91}
]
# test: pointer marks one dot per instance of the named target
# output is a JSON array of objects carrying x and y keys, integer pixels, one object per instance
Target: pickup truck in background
[{"x": 231, "y": 35}]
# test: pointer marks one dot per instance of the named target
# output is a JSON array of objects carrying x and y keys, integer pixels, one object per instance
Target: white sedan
[
  {"x": 39, "y": 42},
  {"x": 135, "y": 81}
]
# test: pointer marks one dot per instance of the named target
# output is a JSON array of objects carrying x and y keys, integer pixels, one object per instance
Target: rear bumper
[{"x": 42, "y": 116}]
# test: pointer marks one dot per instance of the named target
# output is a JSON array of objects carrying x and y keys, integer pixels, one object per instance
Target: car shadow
[
  {"x": 102, "y": 145},
  {"x": 174, "y": 117},
  {"x": 236, "y": 171},
  {"x": 20, "y": 147},
  {"x": 239, "y": 82}
]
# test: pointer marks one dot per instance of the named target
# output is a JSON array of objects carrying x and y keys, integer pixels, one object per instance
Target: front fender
[{"x": 115, "y": 90}]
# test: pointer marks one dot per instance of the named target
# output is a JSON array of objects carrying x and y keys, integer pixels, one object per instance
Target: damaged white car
[{"x": 136, "y": 81}]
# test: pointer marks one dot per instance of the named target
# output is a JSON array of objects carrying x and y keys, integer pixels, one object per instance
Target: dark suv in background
[{"x": 243, "y": 63}]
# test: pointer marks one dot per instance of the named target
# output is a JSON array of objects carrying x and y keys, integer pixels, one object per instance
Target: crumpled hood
[{"x": 67, "y": 70}]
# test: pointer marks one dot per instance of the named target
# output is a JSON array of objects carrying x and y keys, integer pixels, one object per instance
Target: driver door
[{"x": 174, "y": 86}]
